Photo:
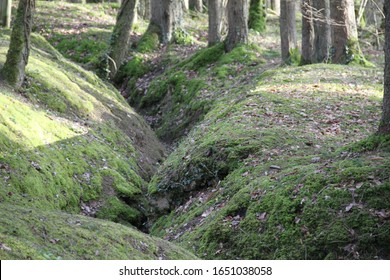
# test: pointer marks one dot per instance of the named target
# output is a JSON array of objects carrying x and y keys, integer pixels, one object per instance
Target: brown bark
[
  {"x": 238, "y": 11},
  {"x": 288, "y": 30},
  {"x": 322, "y": 37},
  {"x": 307, "y": 32},
  {"x": 384, "y": 127},
  {"x": 14, "y": 68},
  {"x": 344, "y": 31}
]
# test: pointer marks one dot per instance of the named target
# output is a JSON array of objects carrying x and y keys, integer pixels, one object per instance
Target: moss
[
  {"x": 149, "y": 40},
  {"x": 257, "y": 15},
  {"x": 30, "y": 233},
  {"x": 181, "y": 37}
]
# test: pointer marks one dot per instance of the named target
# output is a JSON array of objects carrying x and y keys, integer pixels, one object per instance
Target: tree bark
[
  {"x": 196, "y": 5},
  {"x": 384, "y": 126},
  {"x": 216, "y": 13},
  {"x": 322, "y": 37},
  {"x": 5, "y": 6},
  {"x": 288, "y": 30},
  {"x": 120, "y": 38},
  {"x": 14, "y": 68},
  {"x": 237, "y": 23},
  {"x": 307, "y": 32},
  {"x": 143, "y": 8},
  {"x": 167, "y": 17},
  {"x": 345, "y": 43}
]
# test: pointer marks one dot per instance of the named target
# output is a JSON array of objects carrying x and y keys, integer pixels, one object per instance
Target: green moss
[
  {"x": 257, "y": 15},
  {"x": 181, "y": 37},
  {"x": 149, "y": 40}
]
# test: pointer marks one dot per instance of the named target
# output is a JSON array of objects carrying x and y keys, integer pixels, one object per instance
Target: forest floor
[{"x": 265, "y": 161}]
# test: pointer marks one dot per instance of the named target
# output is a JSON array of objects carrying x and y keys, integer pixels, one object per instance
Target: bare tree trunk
[
  {"x": 345, "y": 43},
  {"x": 196, "y": 5},
  {"x": 167, "y": 17},
  {"x": 14, "y": 68},
  {"x": 288, "y": 30},
  {"x": 120, "y": 38},
  {"x": 322, "y": 37},
  {"x": 5, "y": 6},
  {"x": 238, "y": 23},
  {"x": 216, "y": 14},
  {"x": 307, "y": 32},
  {"x": 384, "y": 126},
  {"x": 144, "y": 9}
]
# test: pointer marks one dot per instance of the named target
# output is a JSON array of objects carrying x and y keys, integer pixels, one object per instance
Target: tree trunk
[
  {"x": 237, "y": 23},
  {"x": 144, "y": 9},
  {"x": 216, "y": 13},
  {"x": 14, "y": 68},
  {"x": 384, "y": 126},
  {"x": 307, "y": 32},
  {"x": 322, "y": 37},
  {"x": 288, "y": 30},
  {"x": 275, "y": 6},
  {"x": 167, "y": 17},
  {"x": 345, "y": 43},
  {"x": 120, "y": 38},
  {"x": 196, "y": 5},
  {"x": 257, "y": 15},
  {"x": 5, "y": 6}
]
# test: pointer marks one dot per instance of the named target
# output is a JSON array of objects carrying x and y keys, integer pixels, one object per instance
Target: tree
[
  {"x": 5, "y": 7},
  {"x": 13, "y": 71},
  {"x": 196, "y": 5},
  {"x": 237, "y": 23},
  {"x": 288, "y": 30},
  {"x": 257, "y": 15},
  {"x": 166, "y": 18},
  {"x": 307, "y": 32},
  {"x": 216, "y": 11},
  {"x": 120, "y": 37},
  {"x": 345, "y": 44},
  {"x": 144, "y": 9},
  {"x": 275, "y": 6},
  {"x": 384, "y": 126},
  {"x": 322, "y": 31}
]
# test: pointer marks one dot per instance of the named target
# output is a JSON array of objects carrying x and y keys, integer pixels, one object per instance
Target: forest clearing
[{"x": 167, "y": 130}]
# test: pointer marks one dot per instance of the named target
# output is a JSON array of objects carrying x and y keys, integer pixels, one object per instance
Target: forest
[{"x": 190, "y": 129}]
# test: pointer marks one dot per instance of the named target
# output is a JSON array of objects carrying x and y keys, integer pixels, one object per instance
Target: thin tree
[
  {"x": 237, "y": 23},
  {"x": 216, "y": 11},
  {"x": 14, "y": 68},
  {"x": 120, "y": 38},
  {"x": 322, "y": 31},
  {"x": 307, "y": 32},
  {"x": 384, "y": 126},
  {"x": 5, "y": 7},
  {"x": 288, "y": 31}
]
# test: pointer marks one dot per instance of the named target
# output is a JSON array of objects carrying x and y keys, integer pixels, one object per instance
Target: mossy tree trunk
[
  {"x": 288, "y": 30},
  {"x": 167, "y": 16},
  {"x": 307, "y": 32},
  {"x": 120, "y": 38},
  {"x": 257, "y": 15},
  {"x": 345, "y": 44},
  {"x": 237, "y": 23},
  {"x": 14, "y": 68},
  {"x": 322, "y": 37},
  {"x": 5, "y": 6},
  {"x": 216, "y": 13},
  {"x": 384, "y": 127}
]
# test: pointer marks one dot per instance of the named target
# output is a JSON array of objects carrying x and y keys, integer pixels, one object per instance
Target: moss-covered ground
[{"x": 69, "y": 143}]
